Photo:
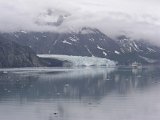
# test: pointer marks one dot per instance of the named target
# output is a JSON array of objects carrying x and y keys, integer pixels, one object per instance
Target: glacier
[{"x": 81, "y": 60}]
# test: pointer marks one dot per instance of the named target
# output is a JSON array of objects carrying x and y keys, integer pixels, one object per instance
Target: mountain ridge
[{"x": 88, "y": 42}]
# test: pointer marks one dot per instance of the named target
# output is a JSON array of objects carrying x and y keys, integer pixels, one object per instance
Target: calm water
[{"x": 80, "y": 94}]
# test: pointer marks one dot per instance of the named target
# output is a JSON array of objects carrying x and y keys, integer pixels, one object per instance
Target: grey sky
[{"x": 138, "y": 18}]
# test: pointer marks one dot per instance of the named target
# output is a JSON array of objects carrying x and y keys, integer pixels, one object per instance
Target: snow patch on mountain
[
  {"x": 105, "y": 53},
  {"x": 116, "y": 52},
  {"x": 100, "y": 48},
  {"x": 16, "y": 36},
  {"x": 67, "y": 42},
  {"x": 55, "y": 42},
  {"x": 88, "y": 50},
  {"x": 91, "y": 39},
  {"x": 150, "y": 49},
  {"x": 149, "y": 60},
  {"x": 74, "y": 39},
  {"x": 136, "y": 46}
]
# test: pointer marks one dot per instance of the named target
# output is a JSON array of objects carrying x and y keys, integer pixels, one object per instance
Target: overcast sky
[{"x": 138, "y": 18}]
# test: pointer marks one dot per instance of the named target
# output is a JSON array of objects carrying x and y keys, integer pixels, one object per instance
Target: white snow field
[{"x": 81, "y": 61}]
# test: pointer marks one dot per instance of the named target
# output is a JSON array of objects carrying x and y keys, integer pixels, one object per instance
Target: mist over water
[{"x": 80, "y": 93}]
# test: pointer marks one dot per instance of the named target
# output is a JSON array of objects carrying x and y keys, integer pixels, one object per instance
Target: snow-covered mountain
[
  {"x": 88, "y": 42},
  {"x": 138, "y": 50}
]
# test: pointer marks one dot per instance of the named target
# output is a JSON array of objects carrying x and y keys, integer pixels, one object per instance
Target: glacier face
[{"x": 81, "y": 61}]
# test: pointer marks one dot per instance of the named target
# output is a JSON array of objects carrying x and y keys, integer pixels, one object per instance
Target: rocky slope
[{"x": 15, "y": 55}]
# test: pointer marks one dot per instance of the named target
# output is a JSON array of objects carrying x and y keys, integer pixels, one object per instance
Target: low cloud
[{"x": 139, "y": 18}]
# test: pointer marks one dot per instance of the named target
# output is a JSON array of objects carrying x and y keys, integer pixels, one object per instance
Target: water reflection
[
  {"x": 76, "y": 83},
  {"x": 82, "y": 93},
  {"x": 73, "y": 84}
]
